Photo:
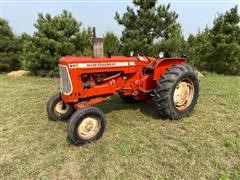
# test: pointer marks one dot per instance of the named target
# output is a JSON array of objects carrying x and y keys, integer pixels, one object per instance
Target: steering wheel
[{"x": 143, "y": 58}]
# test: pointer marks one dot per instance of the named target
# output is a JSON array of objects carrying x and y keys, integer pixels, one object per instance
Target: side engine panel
[{"x": 92, "y": 79}]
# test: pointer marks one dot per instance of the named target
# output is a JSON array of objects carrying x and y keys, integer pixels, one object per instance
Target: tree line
[{"x": 148, "y": 29}]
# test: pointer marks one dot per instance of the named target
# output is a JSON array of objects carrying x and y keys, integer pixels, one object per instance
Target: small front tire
[
  {"x": 57, "y": 109},
  {"x": 86, "y": 125}
]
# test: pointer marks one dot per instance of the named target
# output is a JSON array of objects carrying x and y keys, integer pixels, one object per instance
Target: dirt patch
[
  {"x": 199, "y": 75},
  {"x": 19, "y": 73}
]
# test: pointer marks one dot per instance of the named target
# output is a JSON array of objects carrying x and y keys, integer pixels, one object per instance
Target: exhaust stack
[{"x": 97, "y": 45}]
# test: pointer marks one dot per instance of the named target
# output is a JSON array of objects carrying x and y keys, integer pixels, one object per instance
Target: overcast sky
[{"x": 193, "y": 15}]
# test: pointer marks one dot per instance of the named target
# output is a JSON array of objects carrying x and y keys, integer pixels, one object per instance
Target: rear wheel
[
  {"x": 86, "y": 125},
  {"x": 176, "y": 93},
  {"x": 57, "y": 109}
]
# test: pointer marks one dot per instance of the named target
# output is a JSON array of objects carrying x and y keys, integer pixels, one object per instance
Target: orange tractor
[{"x": 86, "y": 81}]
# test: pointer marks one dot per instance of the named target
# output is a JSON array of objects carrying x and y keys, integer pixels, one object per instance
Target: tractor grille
[{"x": 65, "y": 81}]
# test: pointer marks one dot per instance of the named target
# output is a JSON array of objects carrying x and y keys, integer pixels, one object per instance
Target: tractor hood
[
  {"x": 91, "y": 62},
  {"x": 85, "y": 59}
]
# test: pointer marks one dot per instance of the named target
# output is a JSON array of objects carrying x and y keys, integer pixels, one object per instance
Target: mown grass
[{"x": 136, "y": 144}]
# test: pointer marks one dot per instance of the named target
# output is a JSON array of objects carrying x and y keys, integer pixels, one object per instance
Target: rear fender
[{"x": 163, "y": 64}]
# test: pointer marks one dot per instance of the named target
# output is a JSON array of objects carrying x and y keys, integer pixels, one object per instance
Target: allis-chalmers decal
[{"x": 101, "y": 65}]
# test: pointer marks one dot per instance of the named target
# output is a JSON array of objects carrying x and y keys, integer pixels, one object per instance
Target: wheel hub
[
  {"x": 61, "y": 108},
  {"x": 183, "y": 94},
  {"x": 89, "y": 127}
]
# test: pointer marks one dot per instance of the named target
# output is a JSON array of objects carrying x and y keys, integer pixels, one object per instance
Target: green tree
[
  {"x": 145, "y": 25},
  {"x": 9, "y": 48},
  {"x": 225, "y": 39},
  {"x": 111, "y": 43},
  {"x": 199, "y": 48},
  {"x": 175, "y": 45},
  {"x": 218, "y": 49},
  {"x": 55, "y": 37}
]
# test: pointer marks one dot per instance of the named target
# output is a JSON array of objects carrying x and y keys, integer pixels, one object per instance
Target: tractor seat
[{"x": 148, "y": 69}]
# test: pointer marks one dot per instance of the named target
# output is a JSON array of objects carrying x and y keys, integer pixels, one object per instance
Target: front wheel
[
  {"x": 57, "y": 109},
  {"x": 86, "y": 125},
  {"x": 176, "y": 93}
]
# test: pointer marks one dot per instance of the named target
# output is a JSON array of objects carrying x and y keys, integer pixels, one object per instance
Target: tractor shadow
[{"x": 115, "y": 104}]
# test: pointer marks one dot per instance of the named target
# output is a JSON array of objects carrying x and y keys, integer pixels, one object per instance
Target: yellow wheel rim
[
  {"x": 61, "y": 108},
  {"x": 183, "y": 94},
  {"x": 89, "y": 127}
]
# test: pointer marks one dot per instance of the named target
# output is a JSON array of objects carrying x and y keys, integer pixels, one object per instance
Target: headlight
[
  {"x": 161, "y": 54},
  {"x": 131, "y": 53}
]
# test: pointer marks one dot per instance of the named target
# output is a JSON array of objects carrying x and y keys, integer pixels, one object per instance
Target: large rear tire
[
  {"x": 176, "y": 93},
  {"x": 57, "y": 109},
  {"x": 86, "y": 125}
]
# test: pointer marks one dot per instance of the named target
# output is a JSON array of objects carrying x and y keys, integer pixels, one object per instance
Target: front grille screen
[{"x": 65, "y": 82}]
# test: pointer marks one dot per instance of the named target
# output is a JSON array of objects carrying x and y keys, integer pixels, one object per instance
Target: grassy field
[{"x": 136, "y": 144}]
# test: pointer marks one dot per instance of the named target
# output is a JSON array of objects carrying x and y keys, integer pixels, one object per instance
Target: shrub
[
  {"x": 9, "y": 48},
  {"x": 55, "y": 37}
]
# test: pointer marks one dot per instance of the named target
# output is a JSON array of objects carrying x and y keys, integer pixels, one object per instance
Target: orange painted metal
[
  {"x": 94, "y": 79},
  {"x": 90, "y": 102},
  {"x": 164, "y": 64}
]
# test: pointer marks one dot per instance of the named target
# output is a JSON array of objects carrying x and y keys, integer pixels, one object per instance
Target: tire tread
[{"x": 163, "y": 88}]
